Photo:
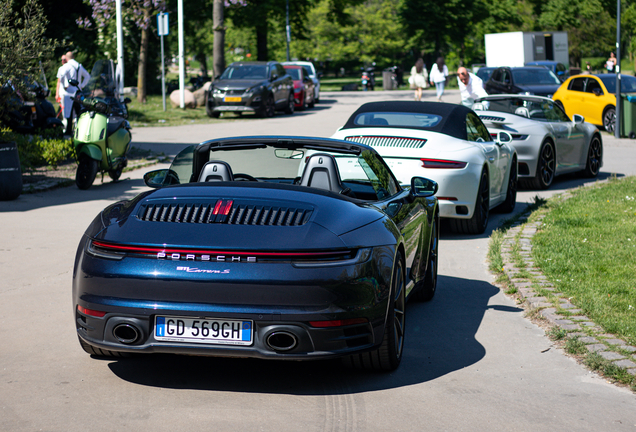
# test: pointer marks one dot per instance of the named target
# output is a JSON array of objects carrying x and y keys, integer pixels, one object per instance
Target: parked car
[
  {"x": 235, "y": 256},
  {"x": 593, "y": 97},
  {"x": 304, "y": 94},
  {"x": 557, "y": 68},
  {"x": 259, "y": 88},
  {"x": 530, "y": 80},
  {"x": 312, "y": 74},
  {"x": 548, "y": 143},
  {"x": 447, "y": 143}
]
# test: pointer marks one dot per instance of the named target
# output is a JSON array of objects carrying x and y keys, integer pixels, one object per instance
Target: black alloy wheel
[
  {"x": 291, "y": 104},
  {"x": 609, "y": 119},
  {"x": 546, "y": 167},
  {"x": 594, "y": 157},
  {"x": 389, "y": 355},
  {"x": 511, "y": 194},
  {"x": 479, "y": 221},
  {"x": 267, "y": 109},
  {"x": 86, "y": 172},
  {"x": 425, "y": 290}
]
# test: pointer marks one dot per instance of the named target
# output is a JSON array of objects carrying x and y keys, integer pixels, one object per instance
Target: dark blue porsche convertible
[{"x": 267, "y": 247}]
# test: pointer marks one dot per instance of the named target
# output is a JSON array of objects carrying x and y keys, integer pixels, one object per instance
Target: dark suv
[
  {"x": 253, "y": 87},
  {"x": 532, "y": 80}
]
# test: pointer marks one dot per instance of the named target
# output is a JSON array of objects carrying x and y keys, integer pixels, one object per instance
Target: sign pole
[
  {"x": 120, "y": 50},
  {"x": 619, "y": 98},
  {"x": 182, "y": 56},
  {"x": 163, "y": 30}
]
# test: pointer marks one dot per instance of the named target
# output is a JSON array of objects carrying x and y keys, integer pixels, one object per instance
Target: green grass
[
  {"x": 587, "y": 248},
  {"x": 152, "y": 114}
]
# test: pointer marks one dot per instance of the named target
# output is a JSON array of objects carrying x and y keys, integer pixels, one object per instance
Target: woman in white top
[
  {"x": 419, "y": 78},
  {"x": 438, "y": 77}
]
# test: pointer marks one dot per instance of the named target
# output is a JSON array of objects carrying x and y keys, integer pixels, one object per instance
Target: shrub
[{"x": 39, "y": 150}]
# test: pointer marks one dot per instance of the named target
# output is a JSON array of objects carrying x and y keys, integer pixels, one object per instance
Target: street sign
[{"x": 162, "y": 24}]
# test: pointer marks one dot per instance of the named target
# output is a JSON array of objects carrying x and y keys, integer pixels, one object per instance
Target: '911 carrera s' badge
[
  {"x": 204, "y": 257},
  {"x": 197, "y": 270}
]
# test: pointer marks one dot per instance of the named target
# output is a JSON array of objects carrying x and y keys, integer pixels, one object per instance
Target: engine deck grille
[
  {"x": 492, "y": 118},
  {"x": 238, "y": 214},
  {"x": 382, "y": 141}
]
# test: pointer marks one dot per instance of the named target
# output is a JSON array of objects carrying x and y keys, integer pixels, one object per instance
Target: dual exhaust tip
[{"x": 279, "y": 341}]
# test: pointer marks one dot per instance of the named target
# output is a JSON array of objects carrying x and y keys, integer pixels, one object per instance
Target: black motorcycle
[{"x": 368, "y": 77}]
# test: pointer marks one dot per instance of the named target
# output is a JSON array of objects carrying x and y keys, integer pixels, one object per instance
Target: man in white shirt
[
  {"x": 471, "y": 87},
  {"x": 72, "y": 70}
]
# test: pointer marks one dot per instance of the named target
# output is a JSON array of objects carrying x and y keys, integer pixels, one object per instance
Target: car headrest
[
  {"x": 322, "y": 172},
  {"x": 216, "y": 171},
  {"x": 379, "y": 122},
  {"x": 523, "y": 112}
]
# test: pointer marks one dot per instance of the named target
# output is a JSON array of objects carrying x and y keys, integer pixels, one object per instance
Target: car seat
[
  {"x": 216, "y": 170},
  {"x": 321, "y": 171}
]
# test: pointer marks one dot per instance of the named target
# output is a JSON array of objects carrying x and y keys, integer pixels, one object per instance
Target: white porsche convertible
[{"x": 446, "y": 143}]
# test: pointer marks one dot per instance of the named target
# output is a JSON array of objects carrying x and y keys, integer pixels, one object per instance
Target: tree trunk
[
  {"x": 143, "y": 59},
  {"x": 261, "y": 41},
  {"x": 219, "y": 37}
]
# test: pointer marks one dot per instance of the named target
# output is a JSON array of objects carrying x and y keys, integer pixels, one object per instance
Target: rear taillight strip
[{"x": 112, "y": 247}]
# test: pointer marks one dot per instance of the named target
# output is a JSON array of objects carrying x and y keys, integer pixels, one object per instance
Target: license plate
[
  {"x": 232, "y": 99},
  {"x": 205, "y": 331}
]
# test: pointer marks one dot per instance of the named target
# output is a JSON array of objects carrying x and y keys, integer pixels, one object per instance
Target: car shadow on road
[{"x": 440, "y": 339}]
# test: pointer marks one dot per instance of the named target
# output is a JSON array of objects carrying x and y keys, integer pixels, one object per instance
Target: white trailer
[{"x": 518, "y": 48}]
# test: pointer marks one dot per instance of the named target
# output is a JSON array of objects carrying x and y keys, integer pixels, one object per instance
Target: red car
[{"x": 304, "y": 94}]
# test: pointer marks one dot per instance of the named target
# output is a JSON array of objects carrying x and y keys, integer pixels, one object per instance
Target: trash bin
[
  {"x": 628, "y": 115},
  {"x": 388, "y": 79},
  {"x": 10, "y": 172}
]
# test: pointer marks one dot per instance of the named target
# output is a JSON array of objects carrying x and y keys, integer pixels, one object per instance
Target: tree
[
  {"x": 22, "y": 46},
  {"x": 138, "y": 12}
]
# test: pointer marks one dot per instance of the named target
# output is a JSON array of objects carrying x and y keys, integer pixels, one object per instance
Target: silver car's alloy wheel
[
  {"x": 545, "y": 167},
  {"x": 594, "y": 157}
]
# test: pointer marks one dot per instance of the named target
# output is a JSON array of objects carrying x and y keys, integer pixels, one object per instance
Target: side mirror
[
  {"x": 597, "y": 92},
  {"x": 274, "y": 77},
  {"x": 160, "y": 178},
  {"x": 578, "y": 118},
  {"x": 503, "y": 138},
  {"x": 422, "y": 187}
]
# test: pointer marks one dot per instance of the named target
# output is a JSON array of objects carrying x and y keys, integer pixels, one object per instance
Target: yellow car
[{"x": 593, "y": 97}]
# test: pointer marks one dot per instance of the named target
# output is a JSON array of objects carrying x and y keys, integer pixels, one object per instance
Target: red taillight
[
  {"x": 338, "y": 323},
  {"x": 222, "y": 207},
  {"x": 440, "y": 198},
  {"x": 441, "y": 163},
  {"x": 91, "y": 312}
]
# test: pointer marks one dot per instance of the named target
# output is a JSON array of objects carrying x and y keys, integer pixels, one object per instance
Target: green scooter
[{"x": 102, "y": 133}]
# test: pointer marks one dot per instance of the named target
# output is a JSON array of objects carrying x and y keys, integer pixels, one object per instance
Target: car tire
[
  {"x": 546, "y": 168},
  {"x": 268, "y": 109},
  {"x": 389, "y": 354},
  {"x": 208, "y": 110},
  {"x": 511, "y": 194},
  {"x": 478, "y": 223},
  {"x": 609, "y": 119},
  {"x": 594, "y": 157},
  {"x": 303, "y": 103},
  {"x": 313, "y": 102},
  {"x": 425, "y": 290},
  {"x": 291, "y": 104},
  {"x": 98, "y": 352},
  {"x": 86, "y": 172}
]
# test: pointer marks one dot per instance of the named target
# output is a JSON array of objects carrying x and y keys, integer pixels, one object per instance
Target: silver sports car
[{"x": 548, "y": 143}]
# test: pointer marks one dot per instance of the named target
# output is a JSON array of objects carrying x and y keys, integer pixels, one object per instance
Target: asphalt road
[{"x": 472, "y": 361}]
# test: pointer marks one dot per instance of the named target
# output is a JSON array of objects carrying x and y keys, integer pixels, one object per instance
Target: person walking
[
  {"x": 73, "y": 77},
  {"x": 471, "y": 87},
  {"x": 610, "y": 64},
  {"x": 419, "y": 78},
  {"x": 438, "y": 76}
]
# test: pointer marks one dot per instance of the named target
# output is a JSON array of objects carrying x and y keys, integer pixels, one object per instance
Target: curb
[
  {"x": 552, "y": 305},
  {"x": 59, "y": 182}
]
